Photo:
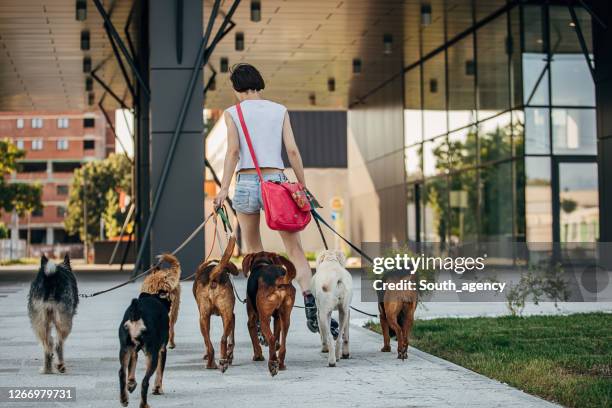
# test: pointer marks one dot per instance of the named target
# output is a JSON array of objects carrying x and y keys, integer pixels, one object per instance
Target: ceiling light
[
  {"x": 224, "y": 64},
  {"x": 86, "y": 64},
  {"x": 425, "y": 14},
  {"x": 239, "y": 42},
  {"x": 356, "y": 66},
  {"x": 331, "y": 84},
  {"x": 255, "y": 10},
  {"x": 572, "y": 24},
  {"x": 88, "y": 84},
  {"x": 81, "y": 10},
  {"x": 313, "y": 99},
  {"x": 85, "y": 40},
  {"x": 433, "y": 85},
  {"x": 388, "y": 43}
]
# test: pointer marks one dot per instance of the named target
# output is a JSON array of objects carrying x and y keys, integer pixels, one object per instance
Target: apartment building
[{"x": 56, "y": 144}]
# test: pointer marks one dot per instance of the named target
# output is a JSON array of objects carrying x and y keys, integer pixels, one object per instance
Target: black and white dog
[
  {"x": 145, "y": 326},
  {"x": 53, "y": 301}
]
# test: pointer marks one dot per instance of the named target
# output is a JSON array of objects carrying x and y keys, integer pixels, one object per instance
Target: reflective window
[
  {"x": 496, "y": 211},
  {"x": 572, "y": 84},
  {"x": 574, "y": 131},
  {"x": 461, "y": 84},
  {"x": 435, "y": 206},
  {"x": 485, "y": 8},
  {"x": 37, "y": 144},
  {"x": 537, "y": 131},
  {"x": 533, "y": 29},
  {"x": 493, "y": 90},
  {"x": 462, "y": 148},
  {"x": 434, "y": 97},
  {"x": 458, "y": 17},
  {"x": 432, "y": 33},
  {"x": 578, "y": 202},
  {"x": 37, "y": 123},
  {"x": 516, "y": 77},
  {"x": 563, "y": 38},
  {"x": 413, "y": 162},
  {"x": 412, "y": 212},
  {"x": 463, "y": 206},
  {"x": 20, "y": 123},
  {"x": 518, "y": 132},
  {"x": 413, "y": 120},
  {"x": 435, "y": 156},
  {"x": 20, "y": 144},
  {"x": 535, "y": 79},
  {"x": 495, "y": 138},
  {"x": 538, "y": 196}
]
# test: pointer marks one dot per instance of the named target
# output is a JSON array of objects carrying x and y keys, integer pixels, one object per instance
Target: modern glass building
[{"x": 500, "y": 126}]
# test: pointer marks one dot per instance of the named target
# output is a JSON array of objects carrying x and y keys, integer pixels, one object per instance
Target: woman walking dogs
[{"x": 269, "y": 127}]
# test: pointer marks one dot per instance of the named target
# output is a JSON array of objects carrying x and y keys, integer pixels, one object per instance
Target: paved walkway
[{"x": 368, "y": 379}]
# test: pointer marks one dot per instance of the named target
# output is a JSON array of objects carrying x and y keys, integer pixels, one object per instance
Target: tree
[
  {"x": 23, "y": 198},
  {"x": 100, "y": 183}
]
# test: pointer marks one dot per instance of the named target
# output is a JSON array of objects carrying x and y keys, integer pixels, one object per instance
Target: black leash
[{"x": 319, "y": 228}]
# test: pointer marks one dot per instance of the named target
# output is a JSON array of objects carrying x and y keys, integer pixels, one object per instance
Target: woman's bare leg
[
  {"x": 293, "y": 246},
  {"x": 249, "y": 226}
]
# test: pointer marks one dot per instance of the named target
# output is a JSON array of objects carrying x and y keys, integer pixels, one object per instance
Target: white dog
[{"x": 332, "y": 286}]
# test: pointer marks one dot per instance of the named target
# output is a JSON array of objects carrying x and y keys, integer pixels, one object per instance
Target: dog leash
[
  {"x": 133, "y": 279},
  {"x": 227, "y": 226}
]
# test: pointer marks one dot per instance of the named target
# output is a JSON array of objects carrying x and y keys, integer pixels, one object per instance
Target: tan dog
[
  {"x": 166, "y": 278},
  {"x": 270, "y": 295},
  {"x": 397, "y": 309},
  {"x": 214, "y": 294}
]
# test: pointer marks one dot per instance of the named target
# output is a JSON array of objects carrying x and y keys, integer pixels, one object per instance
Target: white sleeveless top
[{"x": 264, "y": 120}]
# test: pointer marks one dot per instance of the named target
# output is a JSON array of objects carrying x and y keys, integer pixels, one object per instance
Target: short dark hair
[{"x": 246, "y": 77}]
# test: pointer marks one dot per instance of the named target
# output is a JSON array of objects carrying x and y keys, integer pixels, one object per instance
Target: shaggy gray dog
[{"x": 53, "y": 301}]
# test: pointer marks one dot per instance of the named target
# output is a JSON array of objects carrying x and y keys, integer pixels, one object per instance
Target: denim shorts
[{"x": 247, "y": 194}]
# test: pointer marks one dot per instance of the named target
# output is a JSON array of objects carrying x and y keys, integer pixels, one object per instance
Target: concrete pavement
[{"x": 368, "y": 379}]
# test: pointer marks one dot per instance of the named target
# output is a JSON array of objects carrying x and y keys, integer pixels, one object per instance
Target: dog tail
[
  {"x": 133, "y": 312},
  {"x": 229, "y": 250}
]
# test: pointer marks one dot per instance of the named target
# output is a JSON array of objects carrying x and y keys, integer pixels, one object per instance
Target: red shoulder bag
[{"x": 285, "y": 204}]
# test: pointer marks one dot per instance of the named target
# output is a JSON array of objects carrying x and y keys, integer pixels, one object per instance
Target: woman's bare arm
[
  {"x": 293, "y": 153},
  {"x": 232, "y": 155}
]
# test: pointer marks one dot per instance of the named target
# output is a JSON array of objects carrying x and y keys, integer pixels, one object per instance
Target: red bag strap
[{"x": 245, "y": 130}]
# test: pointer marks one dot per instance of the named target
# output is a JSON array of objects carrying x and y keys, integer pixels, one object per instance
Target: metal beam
[
  {"x": 179, "y": 29},
  {"x": 128, "y": 82},
  {"x": 179, "y": 126},
  {"x": 108, "y": 90},
  {"x": 581, "y": 40},
  {"x": 124, "y": 50},
  {"x": 126, "y": 31}
]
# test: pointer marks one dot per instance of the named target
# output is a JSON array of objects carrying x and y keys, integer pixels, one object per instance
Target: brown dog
[
  {"x": 396, "y": 309},
  {"x": 166, "y": 278},
  {"x": 214, "y": 294},
  {"x": 270, "y": 294}
]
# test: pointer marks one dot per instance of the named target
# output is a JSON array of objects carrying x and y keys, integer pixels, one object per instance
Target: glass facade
[{"x": 500, "y": 127}]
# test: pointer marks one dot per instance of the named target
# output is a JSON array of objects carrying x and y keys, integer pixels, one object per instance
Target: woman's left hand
[{"x": 220, "y": 198}]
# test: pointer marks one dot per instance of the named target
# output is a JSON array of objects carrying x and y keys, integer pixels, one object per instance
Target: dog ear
[
  {"x": 291, "y": 273},
  {"x": 320, "y": 257},
  {"x": 247, "y": 261},
  {"x": 231, "y": 268},
  {"x": 341, "y": 257},
  {"x": 67, "y": 260}
]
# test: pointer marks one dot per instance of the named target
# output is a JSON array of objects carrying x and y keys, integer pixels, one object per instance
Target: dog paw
[
  {"x": 131, "y": 385},
  {"x": 331, "y": 364},
  {"x": 273, "y": 367},
  {"x": 282, "y": 367},
  {"x": 324, "y": 349},
  {"x": 61, "y": 368},
  {"x": 346, "y": 356},
  {"x": 402, "y": 355},
  {"x": 158, "y": 390},
  {"x": 124, "y": 401},
  {"x": 386, "y": 349},
  {"x": 223, "y": 364},
  {"x": 143, "y": 405},
  {"x": 258, "y": 358}
]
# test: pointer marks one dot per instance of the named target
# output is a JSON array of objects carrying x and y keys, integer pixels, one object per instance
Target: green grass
[
  {"x": 20, "y": 261},
  {"x": 565, "y": 359}
]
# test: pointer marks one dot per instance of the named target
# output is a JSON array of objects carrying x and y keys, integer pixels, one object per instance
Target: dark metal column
[
  {"x": 181, "y": 206},
  {"x": 141, "y": 131},
  {"x": 602, "y": 41}
]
